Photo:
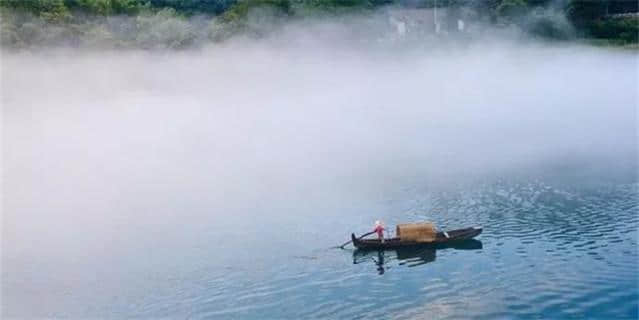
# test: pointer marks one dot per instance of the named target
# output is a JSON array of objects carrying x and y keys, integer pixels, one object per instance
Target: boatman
[{"x": 379, "y": 228}]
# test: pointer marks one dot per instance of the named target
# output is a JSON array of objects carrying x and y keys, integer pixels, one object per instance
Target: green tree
[
  {"x": 164, "y": 29},
  {"x": 54, "y": 11},
  {"x": 107, "y": 7},
  {"x": 211, "y": 7},
  {"x": 582, "y": 12},
  {"x": 512, "y": 10}
]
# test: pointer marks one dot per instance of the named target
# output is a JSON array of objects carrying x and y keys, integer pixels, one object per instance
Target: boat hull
[{"x": 442, "y": 240}]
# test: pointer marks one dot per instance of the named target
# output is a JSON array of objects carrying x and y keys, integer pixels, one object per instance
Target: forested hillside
[{"x": 184, "y": 23}]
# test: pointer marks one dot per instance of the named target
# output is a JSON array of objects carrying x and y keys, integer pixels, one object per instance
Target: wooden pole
[{"x": 349, "y": 241}]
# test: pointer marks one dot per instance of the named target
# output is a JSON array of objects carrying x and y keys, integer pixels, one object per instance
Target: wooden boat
[
  {"x": 442, "y": 239},
  {"x": 413, "y": 255}
]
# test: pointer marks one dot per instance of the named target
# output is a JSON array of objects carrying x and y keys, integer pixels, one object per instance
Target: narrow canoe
[{"x": 442, "y": 239}]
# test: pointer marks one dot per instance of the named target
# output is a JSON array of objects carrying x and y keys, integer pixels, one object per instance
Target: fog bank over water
[{"x": 109, "y": 154}]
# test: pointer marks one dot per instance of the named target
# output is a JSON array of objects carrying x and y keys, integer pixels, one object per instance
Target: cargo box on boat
[{"x": 418, "y": 232}]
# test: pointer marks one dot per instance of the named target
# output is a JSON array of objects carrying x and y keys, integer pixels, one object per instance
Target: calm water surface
[{"x": 547, "y": 250}]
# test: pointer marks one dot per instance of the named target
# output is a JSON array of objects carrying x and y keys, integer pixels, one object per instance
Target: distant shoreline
[{"x": 155, "y": 24}]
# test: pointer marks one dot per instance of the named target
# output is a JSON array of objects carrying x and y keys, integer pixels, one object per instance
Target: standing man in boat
[{"x": 379, "y": 229}]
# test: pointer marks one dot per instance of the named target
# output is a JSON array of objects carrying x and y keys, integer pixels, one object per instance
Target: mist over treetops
[{"x": 186, "y": 23}]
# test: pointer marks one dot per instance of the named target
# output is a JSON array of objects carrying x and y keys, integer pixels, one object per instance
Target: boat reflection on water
[{"x": 410, "y": 256}]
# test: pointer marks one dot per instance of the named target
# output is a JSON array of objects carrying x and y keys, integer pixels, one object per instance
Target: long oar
[{"x": 349, "y": 241}]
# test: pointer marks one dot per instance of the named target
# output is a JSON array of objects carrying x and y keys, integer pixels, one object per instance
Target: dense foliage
[{"x": 181, "y": 23}]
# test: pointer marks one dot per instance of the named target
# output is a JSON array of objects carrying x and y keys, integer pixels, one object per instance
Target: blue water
[{"x": 548, "y": 250}]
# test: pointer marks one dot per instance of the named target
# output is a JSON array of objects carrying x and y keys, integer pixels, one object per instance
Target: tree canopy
[{"x": 23, "y": 21}]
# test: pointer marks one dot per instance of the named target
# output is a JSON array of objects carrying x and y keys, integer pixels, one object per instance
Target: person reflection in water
[
  {"x": 379, "y": 229},
  {"x": 380, "y": 262}
]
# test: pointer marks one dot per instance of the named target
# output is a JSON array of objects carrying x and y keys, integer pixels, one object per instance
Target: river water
[
  {"x": 546, "y": 251},
  {"x": 220, "y": 189}
]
